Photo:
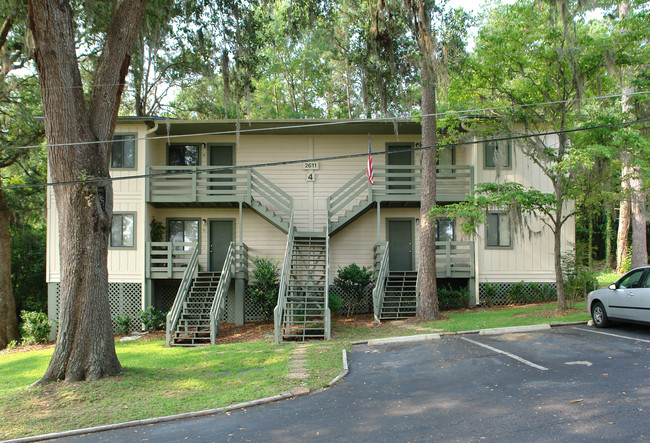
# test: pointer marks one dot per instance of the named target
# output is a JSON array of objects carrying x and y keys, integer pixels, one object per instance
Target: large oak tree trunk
[
  {"x": 8, "y": 319},
  {"x": 637, "y": 208},
  {"x": 85, "y": 349},
  {"x": 624, "y": 215}
]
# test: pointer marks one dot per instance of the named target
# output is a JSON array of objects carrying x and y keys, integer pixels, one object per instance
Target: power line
[
  {"x": 319, "y": 159},
  {"x": 406, "y": 117}
]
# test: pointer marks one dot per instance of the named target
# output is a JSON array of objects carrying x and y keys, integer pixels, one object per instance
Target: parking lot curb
[
  {"x": 571, "y": 323},
  {"x": 346, "y": 370},
  {"x": 404, "y": 339},
  {"x": 515, "y": 329}
]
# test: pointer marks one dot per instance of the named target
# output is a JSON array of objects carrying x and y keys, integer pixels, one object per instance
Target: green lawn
[{"x": 159, "y": 381}]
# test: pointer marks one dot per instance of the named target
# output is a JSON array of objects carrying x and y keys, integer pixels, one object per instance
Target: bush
[
  {"x": 450, "y": 298},
  {"x": 335, "y": 303},
  {"x": 35, "y": 327},
  {"x": 152, "y": 319},
  {"x": 491, "y": 291},
  {"x": 267, "y": 283},
  {"x": 579, "y": 280},
  {"x": 123, "y": 324},
  {"x": 353, "y": 281}
]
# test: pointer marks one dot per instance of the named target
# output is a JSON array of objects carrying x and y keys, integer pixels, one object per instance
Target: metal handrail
[
  {"x": 380, "y": 284},
  {"x": 175, "y": 313},
  {"x": 284, "y": 277},
  {"x": 218, "y": 304}
]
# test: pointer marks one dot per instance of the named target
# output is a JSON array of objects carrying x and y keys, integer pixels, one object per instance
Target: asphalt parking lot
[{"x": 571, "y": 383}]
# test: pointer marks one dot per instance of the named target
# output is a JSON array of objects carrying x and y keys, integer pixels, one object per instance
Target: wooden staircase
[
  {"x": 400, "y": 295},
  {"x": 194, "y": 323},
  {"x": 304, "y": 315}
]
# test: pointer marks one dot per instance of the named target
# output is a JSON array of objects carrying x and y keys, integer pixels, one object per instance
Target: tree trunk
[
  {"x": 610, "y": 258},
  {"x": 8, "y": 319},
  {"x": 418, "y": 12},
  {"x": 637, "y": 209},
  {"x": 557, "y": 248},
  {"x": 622, "y": 242},
  {"x": 85, "y": 349}
]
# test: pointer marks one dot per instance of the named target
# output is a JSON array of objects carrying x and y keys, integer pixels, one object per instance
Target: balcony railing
[
  {"x": 168, "y": 259},
  {"x": 454, "y": 259}
]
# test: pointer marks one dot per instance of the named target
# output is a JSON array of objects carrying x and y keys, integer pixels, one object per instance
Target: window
[
  {"x": 183, "y": 231},
  {"x": 632, "y": 280},
  {"x": 498, "y": 230},
  {"x": 497, "y": 153},
  {"x": 444, "y": 229},
  {"x": 122, "y": 231},
  {"x": 123, "y": 151},
  {"x": 183, "y": 155},
  {"x": 446, "y": 156}
]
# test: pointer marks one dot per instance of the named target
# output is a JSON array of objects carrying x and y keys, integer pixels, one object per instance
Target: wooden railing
[
  {"x": 168, "y": 259},
  {"x": 454, "y": 259},
  {"x": 219, "y": 302},
  {"x": 381, "y": 272},
  {"x": 327, "y": 314},
  {"x": 397, "y": 183},
  {"x": 284, "y": 280},
  {"x": 175, "y": 313}
]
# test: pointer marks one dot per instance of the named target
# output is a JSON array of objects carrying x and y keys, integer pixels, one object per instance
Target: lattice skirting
[
  {"x": 497, "y": 294},
  {"x": 124, "y": 299}
]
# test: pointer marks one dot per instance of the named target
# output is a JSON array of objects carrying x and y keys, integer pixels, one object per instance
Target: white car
[{"x": 626, "y": 300}]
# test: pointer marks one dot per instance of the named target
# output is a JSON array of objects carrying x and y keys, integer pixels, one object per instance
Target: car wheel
[{"x": 599, "y": 315}]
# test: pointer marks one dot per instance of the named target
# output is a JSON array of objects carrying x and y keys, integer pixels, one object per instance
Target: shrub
[
  {"x": 156, "y": 230},
  {"x": 267, "y": 283},
  {"x": 335, "y": 303},
  {"x": 152, "y": 319},
  {"x": 123, "y": 324},
  {"x": 353, "y": 281},
  {"x": 491, "y": 292},
  {"x": 450, "y": 298},
  {"x": 35, "y": 327},
  {"x": 518, "y": 292},
  {"x": 578, "y": 279}
]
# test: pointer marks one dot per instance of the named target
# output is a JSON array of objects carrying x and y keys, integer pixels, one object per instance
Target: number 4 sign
[{"x": 311, "y": 177}]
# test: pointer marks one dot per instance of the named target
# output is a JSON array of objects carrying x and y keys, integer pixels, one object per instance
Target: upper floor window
[
  {"x": 444, "y": 229},
  {"x": 497, "y": 230},
  {"x": 497, "y": 153},
  {"x": 183, "y": 155},
  {"x": 446, "y": 156},
  {"x": 122, "y": 230},
  {"x": 123, "y": 151}
]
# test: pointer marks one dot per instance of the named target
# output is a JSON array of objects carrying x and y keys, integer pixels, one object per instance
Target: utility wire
[
  {"x": 319, "y": 159},
  {"x": 407, "y": 117}
]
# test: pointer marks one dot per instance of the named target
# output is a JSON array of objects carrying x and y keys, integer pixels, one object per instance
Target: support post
[
  {"x": 241, "y": 223},
  {"x": 378, "y": 222},
  {"x": 240, "y": 307}
]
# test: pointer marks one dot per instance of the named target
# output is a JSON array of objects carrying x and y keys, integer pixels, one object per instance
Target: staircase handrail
[
  {"x": 347, "y": 193},
  {"x": 273, "y": 194},
  {"x": 183, "y": 289},
  {"x": 284, "y": 277},
  {"x": 380, "y": 283},
  {"x": 327, "y": 316},
  {"x": 219, "y": 301}
]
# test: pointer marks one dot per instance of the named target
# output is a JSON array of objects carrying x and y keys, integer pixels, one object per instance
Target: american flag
[{"x": 369, "y": 172}]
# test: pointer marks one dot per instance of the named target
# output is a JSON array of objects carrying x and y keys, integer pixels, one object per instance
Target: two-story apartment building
[{"x": 297, "y": 193}]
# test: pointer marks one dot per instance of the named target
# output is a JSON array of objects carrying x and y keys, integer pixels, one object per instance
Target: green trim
[{"x": 135, "y": 228}]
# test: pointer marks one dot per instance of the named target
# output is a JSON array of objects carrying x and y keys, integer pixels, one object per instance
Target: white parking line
[
  {"x": 513, "y": 356},
  {"x": 613, "y": 335}
]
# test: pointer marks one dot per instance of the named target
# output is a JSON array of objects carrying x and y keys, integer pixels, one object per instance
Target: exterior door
[
  {"x": 221, "y": 155},
  {"x": 400, "y": 245},
  {"x": 398, "y": 156},
  {"x": 222, "y": 233}
]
